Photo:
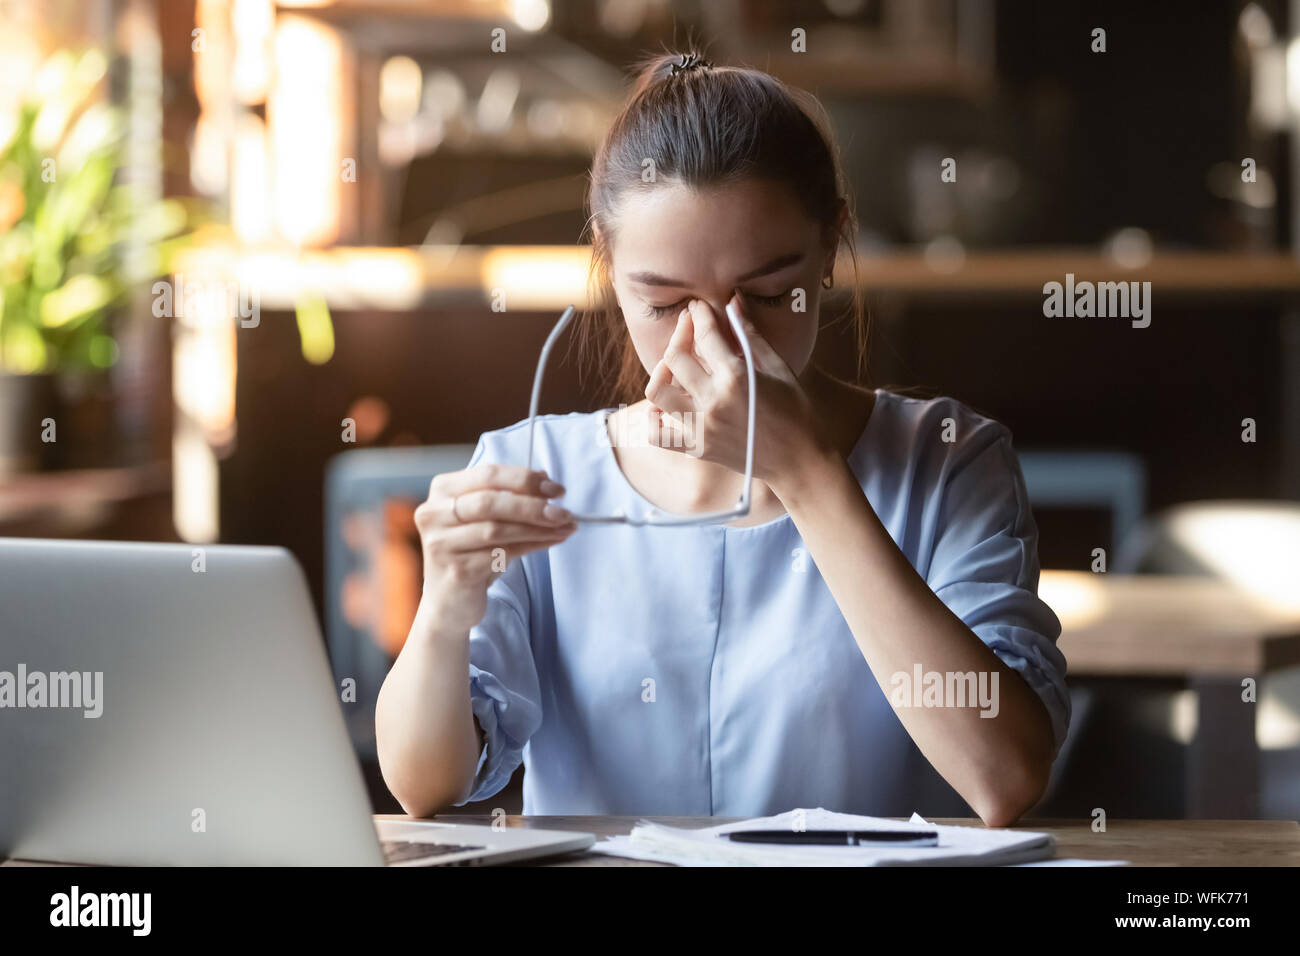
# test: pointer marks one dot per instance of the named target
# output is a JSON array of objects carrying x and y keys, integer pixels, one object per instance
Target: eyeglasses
[{"x": 654, "y": 516}]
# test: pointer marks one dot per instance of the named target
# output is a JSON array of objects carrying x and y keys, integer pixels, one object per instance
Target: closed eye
[
  {"x": 768, "y": 300},
  {"x": 660, "y": 311}
]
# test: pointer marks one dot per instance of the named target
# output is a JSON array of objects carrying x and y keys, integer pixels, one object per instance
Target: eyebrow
[{"x": 780, "y": 262}]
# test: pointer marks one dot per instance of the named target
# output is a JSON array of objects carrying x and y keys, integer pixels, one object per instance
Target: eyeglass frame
[{"x": 656, "y": 517}]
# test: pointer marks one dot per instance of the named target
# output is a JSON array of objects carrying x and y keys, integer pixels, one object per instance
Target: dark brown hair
[{"x": 702, "y": 126}]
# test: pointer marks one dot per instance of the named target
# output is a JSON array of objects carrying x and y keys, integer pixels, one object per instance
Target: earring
[{"x": 828, "y": 280}]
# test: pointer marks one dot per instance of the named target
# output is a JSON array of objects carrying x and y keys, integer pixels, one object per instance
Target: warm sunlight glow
[
  {"x": 194, "y": 481},
  {"x": 304, "y": 113},
  {"x": 250, "y": 200},
  {"x": 1256, "y": 547},
  {"x": 400, "y": 84},
  {"x": 536, "y": 277},
  {"x": 1077, "y": 597},
  {"x": 253, "y": 21}
]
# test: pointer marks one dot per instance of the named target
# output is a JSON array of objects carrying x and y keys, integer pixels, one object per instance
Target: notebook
[{"x": 958, "y": 846}]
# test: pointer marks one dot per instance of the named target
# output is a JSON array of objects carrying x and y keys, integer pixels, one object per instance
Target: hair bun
[{"x": 689, "y": 61}]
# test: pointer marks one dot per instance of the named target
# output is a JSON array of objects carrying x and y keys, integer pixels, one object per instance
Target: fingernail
[
  {"x": 551, "y": 488},
  {"x": 555, "y": 512}
]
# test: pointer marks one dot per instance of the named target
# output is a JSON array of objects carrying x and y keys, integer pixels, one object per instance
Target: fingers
[
  {"x": 670, "y": 430},
  {"x": 681, "y": 360},
  {"x": 513, "y": 478},
  {"x": 477, "y": 520},
  {"x": 714, "y": 347},
  {"x": 662, "y": 389},
  {"x": 511, "y": 496},
  {"x": 765, "y": 357},
  {"x": 491, "y": 504},
  {"x": 510, "y": 535}
]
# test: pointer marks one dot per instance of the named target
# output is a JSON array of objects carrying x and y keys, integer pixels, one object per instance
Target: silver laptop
[{"x": 166, "y": 704}]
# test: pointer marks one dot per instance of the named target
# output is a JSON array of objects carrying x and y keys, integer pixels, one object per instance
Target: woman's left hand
[{"x": 701, "y": 383}]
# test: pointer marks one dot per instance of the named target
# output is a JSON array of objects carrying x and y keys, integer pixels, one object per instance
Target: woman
[{"x": 763, "y": 665}]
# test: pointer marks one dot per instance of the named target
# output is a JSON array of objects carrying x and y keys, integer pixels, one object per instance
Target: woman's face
[{"x": 673, "y": 244}]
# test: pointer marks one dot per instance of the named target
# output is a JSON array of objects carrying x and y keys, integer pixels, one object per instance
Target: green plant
[{"x": 74, "y": 239}]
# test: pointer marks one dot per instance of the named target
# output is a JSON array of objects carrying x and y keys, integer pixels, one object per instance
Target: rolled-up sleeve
[
  {"x": 503, "y": 684},
  {"x": 984, "y": 567}
]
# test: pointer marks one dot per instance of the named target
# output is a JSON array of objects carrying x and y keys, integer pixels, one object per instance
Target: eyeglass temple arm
[
  {"x": 537, "y": 378},
  {"x": 753, "y": 400}
]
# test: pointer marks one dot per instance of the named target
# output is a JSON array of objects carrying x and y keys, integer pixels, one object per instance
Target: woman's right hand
[{"x": 501, "y": 512}]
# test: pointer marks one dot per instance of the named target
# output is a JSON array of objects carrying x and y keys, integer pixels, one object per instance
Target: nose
[{"x": 719, "y": 307}]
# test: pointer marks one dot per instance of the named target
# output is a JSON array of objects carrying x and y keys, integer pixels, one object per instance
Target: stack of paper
[{"x": 958, "y": 846}]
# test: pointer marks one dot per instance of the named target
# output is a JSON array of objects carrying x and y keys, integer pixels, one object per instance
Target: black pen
[{"x": 895, "y": 838}]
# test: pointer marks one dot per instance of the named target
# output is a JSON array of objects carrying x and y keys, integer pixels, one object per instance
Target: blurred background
[{"x": 249, "y": 252}]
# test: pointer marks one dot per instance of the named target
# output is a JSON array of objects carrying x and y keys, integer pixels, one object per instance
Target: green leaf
[
  {"x": 316, "y": 329},
  {"x": 76, "y": 300}
]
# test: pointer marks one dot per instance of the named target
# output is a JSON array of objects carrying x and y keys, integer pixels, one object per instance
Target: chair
[
  {"x": 1116, "y": 481},
  {"x": 373, "y": 564},
  {"x": 1112, "y": 480}
]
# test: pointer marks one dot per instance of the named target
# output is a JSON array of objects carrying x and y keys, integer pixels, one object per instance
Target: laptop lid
[{"x": 169, "y": 704}]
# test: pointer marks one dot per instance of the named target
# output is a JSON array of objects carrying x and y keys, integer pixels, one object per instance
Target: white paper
[{"x": 958, "y": 846}]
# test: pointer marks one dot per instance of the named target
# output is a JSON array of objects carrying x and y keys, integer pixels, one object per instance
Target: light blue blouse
[{"x": 708, "y": 670}]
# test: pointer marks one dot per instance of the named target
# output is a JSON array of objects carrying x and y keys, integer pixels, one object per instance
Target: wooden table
[
  {"x": 1198, "y": 630},
  {"x": 1139, "y": 842}
]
